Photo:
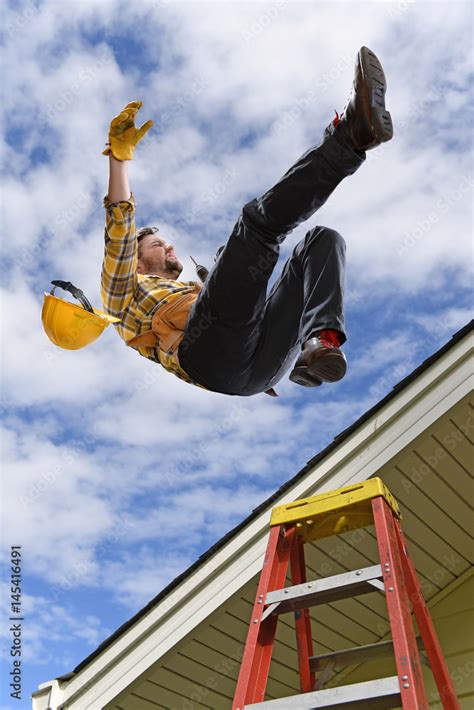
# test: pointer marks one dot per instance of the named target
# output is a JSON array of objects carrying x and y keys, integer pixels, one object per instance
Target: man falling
[{"x": 229, "y": 335}]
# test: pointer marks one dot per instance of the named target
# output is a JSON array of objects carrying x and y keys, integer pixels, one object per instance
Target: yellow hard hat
[{"x": 69, "y": 325}]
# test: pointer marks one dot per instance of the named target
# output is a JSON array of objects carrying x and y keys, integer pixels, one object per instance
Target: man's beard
[
  {"x": 172, "y": 267},
  {"x": 173, "y": 264}
]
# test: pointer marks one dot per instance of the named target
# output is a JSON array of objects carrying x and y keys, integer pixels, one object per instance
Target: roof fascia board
[{"x": 359, "y": 457}]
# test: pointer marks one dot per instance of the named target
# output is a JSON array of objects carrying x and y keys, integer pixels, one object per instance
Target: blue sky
[{"x": 107, "y": 458}]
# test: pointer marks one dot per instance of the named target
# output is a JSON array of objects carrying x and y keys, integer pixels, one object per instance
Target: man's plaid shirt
[{"x": 134, "y": 297}]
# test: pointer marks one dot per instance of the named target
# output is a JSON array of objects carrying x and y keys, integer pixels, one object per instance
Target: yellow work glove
[{"x": 123, "y": 136}]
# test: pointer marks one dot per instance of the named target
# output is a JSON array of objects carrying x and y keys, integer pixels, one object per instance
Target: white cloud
[
  {"x": 183, "y": 523},
  {"x": 445, "y": 321},
  {"x": 385, "y": 352}
]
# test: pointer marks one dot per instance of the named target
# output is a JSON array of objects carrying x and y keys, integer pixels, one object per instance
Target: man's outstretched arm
[
  {"x": 119, "y": 277},
  {"x": 119, "y": 187},
  {"x": 119, "y": 268}
]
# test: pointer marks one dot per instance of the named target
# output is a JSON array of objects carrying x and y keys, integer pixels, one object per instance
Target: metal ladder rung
[
  {"x": 357, "y": 654},
  {"x": 327, "y": 589},
  {"x": 374, "y": 694}
]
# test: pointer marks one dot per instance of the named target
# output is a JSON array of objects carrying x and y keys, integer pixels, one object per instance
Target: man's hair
[{"x": 143, "y": 232}]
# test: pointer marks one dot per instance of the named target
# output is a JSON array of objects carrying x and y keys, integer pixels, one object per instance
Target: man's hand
[{"x": 123, "y": 135}]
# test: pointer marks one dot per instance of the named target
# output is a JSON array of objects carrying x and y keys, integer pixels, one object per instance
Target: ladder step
[
  {"x": 374, "y": 694},
  {"x": 358, "y": 654},
  {"x": 327, "y": 589}
]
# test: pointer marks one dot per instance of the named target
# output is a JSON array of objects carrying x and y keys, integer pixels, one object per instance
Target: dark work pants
[{"x": 238, "y": 339}]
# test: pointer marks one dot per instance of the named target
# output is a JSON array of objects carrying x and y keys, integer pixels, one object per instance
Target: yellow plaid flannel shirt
[{"x": 132, "y": 297}]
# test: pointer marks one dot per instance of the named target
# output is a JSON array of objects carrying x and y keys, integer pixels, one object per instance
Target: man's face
[{"x": 157, "y": 257}]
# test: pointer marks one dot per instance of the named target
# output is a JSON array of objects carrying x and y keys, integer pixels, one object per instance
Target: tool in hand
[{"x": 201, "y": 270}]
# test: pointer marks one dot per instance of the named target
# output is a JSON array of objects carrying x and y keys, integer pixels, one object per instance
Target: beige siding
[{"x": 454, "y": 619}]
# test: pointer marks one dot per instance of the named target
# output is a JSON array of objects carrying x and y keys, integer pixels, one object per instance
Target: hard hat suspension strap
[{"x": 76, "y": 292}]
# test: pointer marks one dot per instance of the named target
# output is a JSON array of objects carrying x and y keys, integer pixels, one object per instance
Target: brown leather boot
[
  {"x": 320, "y": 361},
  {"x": 364, "y": 122}
]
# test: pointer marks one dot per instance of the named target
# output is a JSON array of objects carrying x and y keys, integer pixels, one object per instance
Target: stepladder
[{"x": 305, "y": 521}]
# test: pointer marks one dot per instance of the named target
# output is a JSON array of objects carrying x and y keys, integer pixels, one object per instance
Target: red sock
[{"x": 330, "y": 338}]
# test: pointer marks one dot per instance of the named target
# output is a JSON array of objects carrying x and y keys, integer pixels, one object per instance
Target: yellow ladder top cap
[{"x": 353, "y": 501}]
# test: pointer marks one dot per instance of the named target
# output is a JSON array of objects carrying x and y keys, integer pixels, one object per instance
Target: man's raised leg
[{"x": 233, "y": 298}]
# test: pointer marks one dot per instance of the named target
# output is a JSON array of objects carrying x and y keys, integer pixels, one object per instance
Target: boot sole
[
  {"x": 374, "y": 77},
  {"x": 329, "y": 366},
  {"x": 302, "y": 376}
]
